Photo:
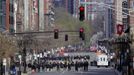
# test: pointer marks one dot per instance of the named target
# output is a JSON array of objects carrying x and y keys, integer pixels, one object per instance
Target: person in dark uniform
[
  {"x": 86, "y": 63},
  {"x": 47, "y": 66},
  {"x": 58, "y": 66},
  {"x": 76, "y": 66},
  {"x": 38, "y": 66},
  {"x": 43, "y": 67},
  {"x": 69, "y": 66}
]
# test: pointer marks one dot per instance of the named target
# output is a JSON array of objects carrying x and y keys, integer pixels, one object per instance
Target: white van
[{"x": 102, "y": 60}]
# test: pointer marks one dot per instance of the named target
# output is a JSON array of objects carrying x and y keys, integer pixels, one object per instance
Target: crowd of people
[{"x": 58, "y": 65}]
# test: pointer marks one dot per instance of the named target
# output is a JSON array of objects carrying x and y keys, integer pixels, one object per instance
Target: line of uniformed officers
[{"x": 59, "y": 65}]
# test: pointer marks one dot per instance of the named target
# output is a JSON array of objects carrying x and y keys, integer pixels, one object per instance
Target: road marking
[{"x": 63, "y": 72}]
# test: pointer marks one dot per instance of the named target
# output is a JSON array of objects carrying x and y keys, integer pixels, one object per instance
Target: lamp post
[
  {"x": 1, "y": 65},
  {"x": 19, "y": 72},
  {"x": 24, "y": 59}
]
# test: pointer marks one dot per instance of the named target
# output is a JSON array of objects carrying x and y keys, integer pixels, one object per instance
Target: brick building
[{"x": 6, "y": 15}]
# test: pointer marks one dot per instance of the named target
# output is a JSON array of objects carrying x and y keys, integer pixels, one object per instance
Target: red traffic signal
[
  {"x": 81, "y": 29},
  {"x": 56, "y": 33},
  {"x": 81, "y": 8},
  {"x": 81, "y": 32},
  {"x": 120, "y": 29},
  {"x": 81, "y": 13}
]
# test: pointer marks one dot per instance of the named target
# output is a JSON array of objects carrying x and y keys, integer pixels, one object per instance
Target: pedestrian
[
  {"x": 12, "y": 70},
  {"x": 33, "y": 68}
]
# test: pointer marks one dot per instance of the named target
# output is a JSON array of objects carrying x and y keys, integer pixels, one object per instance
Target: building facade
[
  {"x": 118, "y": 14},
  {"x": 76, "y": 7},
  {"x": 131, "y": 2},
  {"x": 41, "y": 15},
  {"x": 67, "y": 4},
  {"x": 109, "y": 20},
  {"x": 48, "y": 9},
  {"x": 7, "y": 15}
]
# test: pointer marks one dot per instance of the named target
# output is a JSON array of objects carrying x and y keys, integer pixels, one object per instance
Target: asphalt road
[{"x": 92, "y": 71}]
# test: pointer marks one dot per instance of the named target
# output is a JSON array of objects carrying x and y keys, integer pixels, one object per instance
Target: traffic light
[
  {"x": 66, "y": 37},
  {"x": 81, "y": 31},
  {"x": 56, "y": 33},
  {"x": 81, "y": 13}
]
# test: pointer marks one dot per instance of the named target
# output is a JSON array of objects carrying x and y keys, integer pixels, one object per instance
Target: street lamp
[
  {"x": 20, "y": 58},
  {"x": 24, "y": 59}
]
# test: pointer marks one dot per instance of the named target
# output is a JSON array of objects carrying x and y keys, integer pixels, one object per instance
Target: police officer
[
  {"x": 84, "y": 66},
  {"x": 76, "y": 66},
  {"x": 69, "y": 66},
  {"x": 58, "y": 66},
  {"x": 87, "y": 64}
]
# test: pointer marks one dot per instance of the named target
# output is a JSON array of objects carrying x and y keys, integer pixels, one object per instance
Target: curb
[{"x": 117, "y": 72}]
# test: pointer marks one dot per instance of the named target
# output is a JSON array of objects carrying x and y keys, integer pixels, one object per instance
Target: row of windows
[
  {"x": 11, "y": 20},
  {"x": 3, "y": 22},
  {"x": 0, "y": 5},
  {"x": 3, "y": 19},
  {"x": 3, "y": 6},
  {"x": 132, "y": 4},
  {"x": 11, "y": 8}
]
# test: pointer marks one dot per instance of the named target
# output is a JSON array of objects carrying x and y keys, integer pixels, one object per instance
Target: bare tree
[{"x": 8, "y": 45}]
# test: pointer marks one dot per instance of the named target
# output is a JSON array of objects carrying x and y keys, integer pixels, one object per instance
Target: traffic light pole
[{"x": 43, "y": 32}]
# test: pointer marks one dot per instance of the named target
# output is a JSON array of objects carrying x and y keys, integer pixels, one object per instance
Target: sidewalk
[
  {"x": 117, "y": 72},
  {"x": 24, "y": 74}
]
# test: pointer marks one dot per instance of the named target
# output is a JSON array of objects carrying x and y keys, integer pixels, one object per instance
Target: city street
[
  {"x": 66, "y": 37},
  {"x": 92, "y": 71}
]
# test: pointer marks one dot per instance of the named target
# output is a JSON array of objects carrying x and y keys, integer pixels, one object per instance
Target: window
[
  {"x": 3, "y": 6},
  {"x": 132, "y": 4},
  {"x": 100, "y": 59},
  {"x": 0, "y": 5},
  {"x": 103, "y": 59},
  {"x": 124, "y": 5},
  {"x": 3, "y": 21},
  {"x": 0, "y": 20},
  {"x": 11, "y": 20},
  {"x": 11, "y": 8}
]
